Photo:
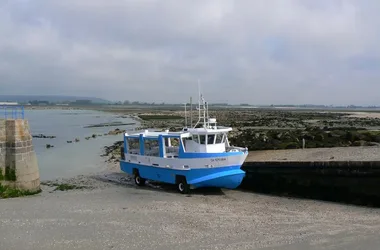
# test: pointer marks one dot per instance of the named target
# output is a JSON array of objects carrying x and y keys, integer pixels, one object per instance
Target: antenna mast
[
  {"x": 185, "y": 117},
  {"x": 202, "y": 108},
  {"x": 191, "y": 112},
  {"x": 199, "y": 101},
  {"x": 208, "y": 118}
]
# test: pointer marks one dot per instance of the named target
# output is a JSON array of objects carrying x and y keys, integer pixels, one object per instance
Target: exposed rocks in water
[
  {"x": 44, "y": 136},
  {"x": 113, "y": 151},
  {"x": 76, "y": 140},
  {"x": 110, "y": 124},
  {"x": 92, "y": 136},
  {"x": 49, "y": 146},
  {"x": 116, "y": 132}
]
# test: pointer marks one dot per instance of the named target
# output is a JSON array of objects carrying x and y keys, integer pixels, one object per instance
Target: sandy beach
[{"x": 112, "y": 213}]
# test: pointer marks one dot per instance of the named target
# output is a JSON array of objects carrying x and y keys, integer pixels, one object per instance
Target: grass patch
[
  {"x": 160, "y": 117},
  {"x": 8, "y": 192},
  {"x": 10, "y": 174},
  {"x": 62, "y": 186},
  {"x": 65, "y": 187}
]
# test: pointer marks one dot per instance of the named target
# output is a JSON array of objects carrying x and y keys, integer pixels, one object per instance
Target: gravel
[{"x": 115, "y": 214}]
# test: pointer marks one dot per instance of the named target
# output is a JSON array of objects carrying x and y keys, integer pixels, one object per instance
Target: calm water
[{"x": 70, "y": 159}]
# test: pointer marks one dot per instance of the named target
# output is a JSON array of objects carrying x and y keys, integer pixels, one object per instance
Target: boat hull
[{"x": 229, "y": 177}]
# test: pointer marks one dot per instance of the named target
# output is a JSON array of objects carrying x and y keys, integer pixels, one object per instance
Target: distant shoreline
[{"x": 122, "y": 108}]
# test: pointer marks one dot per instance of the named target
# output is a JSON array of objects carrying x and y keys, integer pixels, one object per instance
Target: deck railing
[{"x": 12, "y": 111}]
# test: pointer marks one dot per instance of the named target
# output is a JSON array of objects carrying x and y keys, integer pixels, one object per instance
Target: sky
[{"x": 242, "y": 51}]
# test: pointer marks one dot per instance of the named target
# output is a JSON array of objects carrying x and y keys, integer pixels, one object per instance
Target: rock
[
  {"x": 49, "y": 146},
  {"x": 116, "y": 132},
  {"x": 358, "y": 143},
  {"x": 43, "y": 136}
]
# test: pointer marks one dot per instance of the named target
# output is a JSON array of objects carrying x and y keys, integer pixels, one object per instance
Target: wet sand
[
  {"x": 364, "y": 114},
  {"x": 112, "y": 213}
]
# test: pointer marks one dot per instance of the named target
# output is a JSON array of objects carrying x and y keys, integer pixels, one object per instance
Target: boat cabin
[
  {"x": 204, "y": 140},
  {"x": 191, "y": 142},
  {"x": 177, "y": 144}
]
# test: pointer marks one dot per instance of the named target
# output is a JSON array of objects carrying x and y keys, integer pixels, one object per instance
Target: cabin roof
[
  {"x": 155, "y": 134},
  {"x": 182, "y": 134},
  {"x": 202, "y": 131}
]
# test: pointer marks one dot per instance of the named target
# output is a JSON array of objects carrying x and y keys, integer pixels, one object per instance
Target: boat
[{"x": 194, "y": 157}]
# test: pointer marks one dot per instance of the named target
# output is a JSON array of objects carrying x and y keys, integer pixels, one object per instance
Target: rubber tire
[
  {"x": 138, "y": 180},
  {"x": 183, "y": 187}
]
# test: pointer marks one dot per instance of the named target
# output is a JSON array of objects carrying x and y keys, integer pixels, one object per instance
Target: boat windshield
[
  {"x": 202, "y": 139},
  {"x": 219, "y": 138},
  {"x": 210, "y": 139}
]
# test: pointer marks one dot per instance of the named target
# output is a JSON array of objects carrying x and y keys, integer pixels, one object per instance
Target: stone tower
[{"x": 18, "y": 161}]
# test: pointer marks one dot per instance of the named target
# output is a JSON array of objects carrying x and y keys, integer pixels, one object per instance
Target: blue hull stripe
[{"x": 222, "y": 177}]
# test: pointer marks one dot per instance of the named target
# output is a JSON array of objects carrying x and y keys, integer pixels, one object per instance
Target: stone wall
[{"x": 18, "y": 161}]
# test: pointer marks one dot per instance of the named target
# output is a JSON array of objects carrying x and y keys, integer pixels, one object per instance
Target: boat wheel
[
  {"x": 138, "y": 180},
  {"x": 183, "y": 187}
]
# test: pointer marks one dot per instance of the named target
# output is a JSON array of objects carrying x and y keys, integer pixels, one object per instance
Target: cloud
[{"x": 260, "y": 52}]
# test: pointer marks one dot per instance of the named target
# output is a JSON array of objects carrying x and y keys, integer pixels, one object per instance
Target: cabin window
[
  {"x": 196, "y": 138},
  {"x": 151, "y": 147},
  {"x": 133, "y": 146},
  {"x": 174, "y": 142},
  {"x": 219, "y": 138},
  {"x": 210, "y": 139},
  {"x": 202, "y": 139},
  {"x": 173, "y": 150}
]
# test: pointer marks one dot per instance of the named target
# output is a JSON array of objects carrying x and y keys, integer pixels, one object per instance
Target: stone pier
[{"x": 18, "y": 161}]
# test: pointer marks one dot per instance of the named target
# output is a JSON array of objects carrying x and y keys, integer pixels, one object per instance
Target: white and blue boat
[{"x": 198, "y": 156}]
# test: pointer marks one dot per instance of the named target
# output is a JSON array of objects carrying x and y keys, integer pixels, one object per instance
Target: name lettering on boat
[{"x": 219, "y": 159}]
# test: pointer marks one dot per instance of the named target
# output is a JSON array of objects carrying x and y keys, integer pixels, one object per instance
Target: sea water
[{"x": 65, "y": 160}]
